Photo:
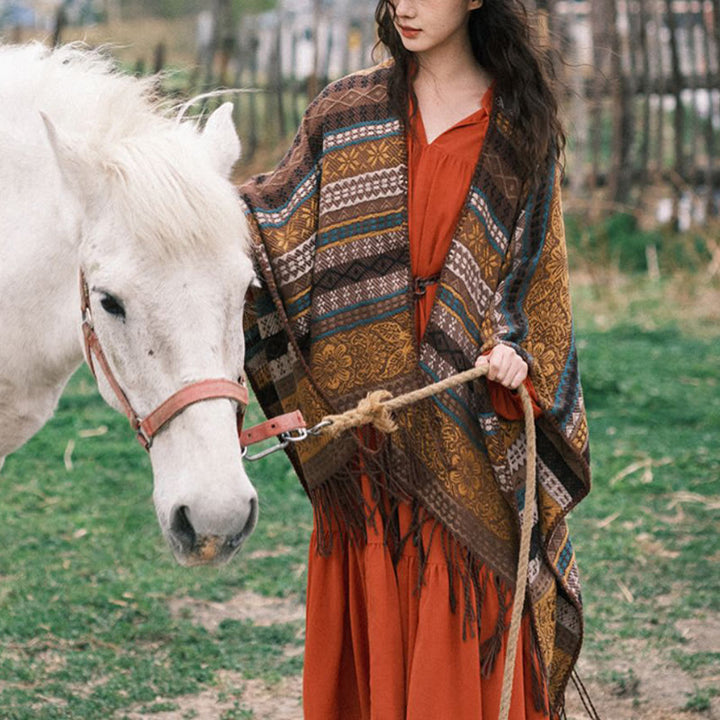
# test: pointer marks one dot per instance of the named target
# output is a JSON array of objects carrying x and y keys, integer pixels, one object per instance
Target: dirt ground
[
  {"x": 646, "y": 684},
  {"x": 233, "y": 695},
  {"x": 640, "y": 683}
]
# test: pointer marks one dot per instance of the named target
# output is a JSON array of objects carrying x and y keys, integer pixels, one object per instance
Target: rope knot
[{"x": 370, "y": 410}]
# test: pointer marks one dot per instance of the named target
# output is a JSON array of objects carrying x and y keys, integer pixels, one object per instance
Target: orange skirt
[{"x": 377, "y": 649}]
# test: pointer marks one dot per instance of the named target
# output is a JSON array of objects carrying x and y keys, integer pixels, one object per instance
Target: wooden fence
[
  {"x": 640, "y": 82},
  {"x": 643, "y": 99}
]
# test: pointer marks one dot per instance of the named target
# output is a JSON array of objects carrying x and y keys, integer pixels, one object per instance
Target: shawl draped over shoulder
[{"x": 333, "y": 320}]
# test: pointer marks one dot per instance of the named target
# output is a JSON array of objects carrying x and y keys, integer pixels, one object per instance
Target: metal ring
[
  {"x": 294, "y": 436},
  {"x": 317, "y": 429}
]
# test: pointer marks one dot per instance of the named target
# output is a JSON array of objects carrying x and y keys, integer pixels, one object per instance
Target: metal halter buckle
[{"x": 286, "y": 439}]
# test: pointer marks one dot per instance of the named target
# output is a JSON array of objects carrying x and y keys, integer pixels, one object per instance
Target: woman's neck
[
  {"x": 450, "y": 75},
  {"x": 449, "y": 86}
]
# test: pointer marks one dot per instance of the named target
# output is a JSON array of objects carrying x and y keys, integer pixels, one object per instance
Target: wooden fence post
[
  {"x": 313, "y": 86},
  {"x": 679, "y": 119},
  {"x": 294, "y": 82},
  {"x": 620, "y": 173},
  {"x": 644, "y": 152},
  {"x": 599, "y": 22},
  {"x": 710, "y": 145}
]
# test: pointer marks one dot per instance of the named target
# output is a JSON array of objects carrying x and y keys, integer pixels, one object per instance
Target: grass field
[{"x": 96, "y": 621}]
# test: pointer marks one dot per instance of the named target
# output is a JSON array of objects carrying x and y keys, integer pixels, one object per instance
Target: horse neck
[
  {"x": 39, "y": 272},
  {"x": 39, "y": 341}
]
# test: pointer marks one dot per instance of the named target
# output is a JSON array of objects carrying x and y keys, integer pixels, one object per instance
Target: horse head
[{"x": 164, "y": 251}]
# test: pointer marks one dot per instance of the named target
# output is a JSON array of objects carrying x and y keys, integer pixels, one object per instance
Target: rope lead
[{"x": 376, "y": 409}]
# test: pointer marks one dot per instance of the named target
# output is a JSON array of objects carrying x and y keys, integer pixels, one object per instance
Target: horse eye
[{"x": 112, "y": 305}]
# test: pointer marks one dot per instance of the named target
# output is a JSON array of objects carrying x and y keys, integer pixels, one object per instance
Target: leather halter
[{"x": 146, "y": 428}]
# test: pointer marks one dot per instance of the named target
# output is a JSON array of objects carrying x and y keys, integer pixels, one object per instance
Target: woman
[{"x": 413, "y": 230}]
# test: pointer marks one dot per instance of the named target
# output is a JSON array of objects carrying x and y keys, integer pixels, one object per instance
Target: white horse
[{"x": 94, "y": 176}]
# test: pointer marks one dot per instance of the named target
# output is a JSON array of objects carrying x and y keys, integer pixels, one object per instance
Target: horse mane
[{"x": 154, "y": 168}]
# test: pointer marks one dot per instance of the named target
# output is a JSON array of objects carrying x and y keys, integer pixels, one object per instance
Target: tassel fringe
[{"x": 343, "y": 514}]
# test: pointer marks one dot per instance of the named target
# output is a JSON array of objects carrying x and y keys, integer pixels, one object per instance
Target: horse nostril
[
  {"x": 182, "y": 528},
  {"x": 252, "y": 518},
  {"x": 249, "y": 526}
]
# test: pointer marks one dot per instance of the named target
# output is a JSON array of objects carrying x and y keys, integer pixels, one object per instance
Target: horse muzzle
[{"x": 197, "y": 548}]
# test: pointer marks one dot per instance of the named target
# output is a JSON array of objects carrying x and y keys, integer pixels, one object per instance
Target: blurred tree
[{"x": 250, "y": 7}]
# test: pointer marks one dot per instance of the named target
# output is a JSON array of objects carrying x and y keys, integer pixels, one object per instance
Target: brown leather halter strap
[
  {"x": 280, "y": 425},
  {"x": 146, "y": 428}
]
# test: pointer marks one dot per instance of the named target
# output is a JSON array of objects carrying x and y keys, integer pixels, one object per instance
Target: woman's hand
[{"x": 505, "y": 366}]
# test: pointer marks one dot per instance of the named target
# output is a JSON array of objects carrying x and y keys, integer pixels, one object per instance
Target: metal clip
[
  {"x": 86, "y": 318},
  {"x": 316, "y": 430},
  {"x": 285, "y": 439},
  {"x": 264, "y": 453}
]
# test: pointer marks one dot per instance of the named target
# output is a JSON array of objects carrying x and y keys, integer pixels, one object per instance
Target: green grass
[
  {"x": 646, "y": 537},
  {"x": 651, "y": 521},
  {"x": 85, "y": 577},
  {"x": 699, "y": 700}
]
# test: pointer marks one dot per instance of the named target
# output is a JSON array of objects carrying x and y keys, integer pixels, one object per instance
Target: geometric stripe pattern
[{"x": 334, "y": 320}]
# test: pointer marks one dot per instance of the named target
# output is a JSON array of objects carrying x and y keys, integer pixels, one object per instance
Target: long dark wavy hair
[{"x": 504, "y": 44}]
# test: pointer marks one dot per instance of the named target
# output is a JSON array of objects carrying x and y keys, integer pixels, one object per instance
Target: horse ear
[
  {"x": 74, "y": 168},
  {"x": 221, "y": 139}
]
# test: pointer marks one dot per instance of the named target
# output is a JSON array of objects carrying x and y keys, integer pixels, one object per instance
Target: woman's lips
[{"x": 408, "y": 32}]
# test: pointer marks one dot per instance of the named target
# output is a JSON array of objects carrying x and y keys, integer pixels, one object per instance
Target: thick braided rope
[
  {"x": 376, "y": 409},
  {"x": 523, "y": 556}
]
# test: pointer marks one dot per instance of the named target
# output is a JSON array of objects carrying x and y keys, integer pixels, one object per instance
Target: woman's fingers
[
  {"x": 501, "y": 363},
  {"x": 505, "y": 366},
  {"x": 518, "y": 378}
]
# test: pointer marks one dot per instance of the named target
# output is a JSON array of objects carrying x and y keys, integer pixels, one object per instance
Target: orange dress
[{"x": 375, "y": 647}]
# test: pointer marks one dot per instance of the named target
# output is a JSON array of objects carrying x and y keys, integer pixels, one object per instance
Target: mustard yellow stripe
[
  {"x": 562, "y": 546},
  {"x": 302, "y": 313},
  {"x": 295, "y": 298}
]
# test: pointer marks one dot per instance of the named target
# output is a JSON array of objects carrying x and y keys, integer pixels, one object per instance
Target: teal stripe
[
  {"x": 454, "y": 305},
  {"x": 364, "y": 303},
  {"x": 367, "y": 321},
  {"x": 366, "y": 226},
  {"x": 297, "y": 306}
]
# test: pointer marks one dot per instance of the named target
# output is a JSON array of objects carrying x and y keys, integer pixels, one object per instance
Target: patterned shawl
[{"x": 334, "y": 320}]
